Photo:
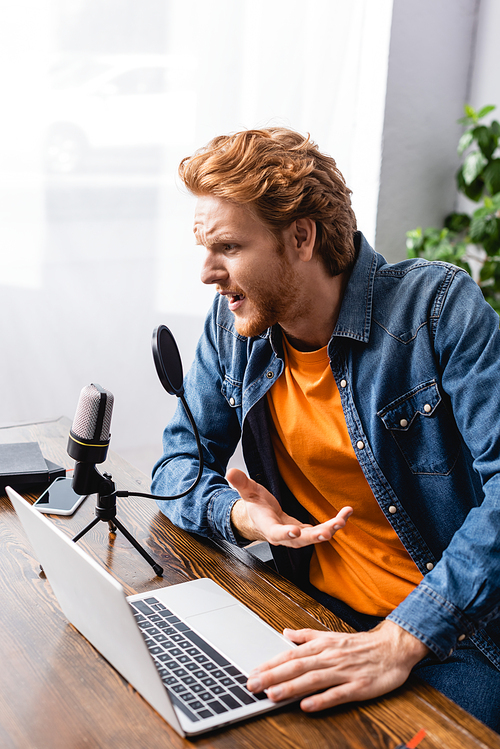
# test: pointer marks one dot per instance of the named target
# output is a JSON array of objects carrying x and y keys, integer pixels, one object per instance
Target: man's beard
[{"x": 279, "y": 300}]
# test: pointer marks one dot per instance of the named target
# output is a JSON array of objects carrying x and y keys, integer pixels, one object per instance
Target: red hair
[{"x": 283, "y": 176}]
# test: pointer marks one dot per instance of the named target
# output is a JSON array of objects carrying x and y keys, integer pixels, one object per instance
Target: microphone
[
  {"x": 89, "y": 435},
  {"x": 89, "y": 438}
]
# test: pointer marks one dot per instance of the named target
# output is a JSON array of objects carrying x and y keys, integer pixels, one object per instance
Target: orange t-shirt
[{"x": 365, "y": 564}]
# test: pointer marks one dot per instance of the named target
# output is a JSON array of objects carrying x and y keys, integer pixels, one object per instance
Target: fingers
[
  {"x": 246, "y": 487},
  {"x": 349, "y": 666},
  {"x": 266, "y": 520}
]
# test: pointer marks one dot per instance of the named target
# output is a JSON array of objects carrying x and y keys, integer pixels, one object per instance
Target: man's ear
[{"x": 304, "y": 232}]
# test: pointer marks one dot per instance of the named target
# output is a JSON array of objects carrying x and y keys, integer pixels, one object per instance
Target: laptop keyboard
[{"x": 199, "y": 680}]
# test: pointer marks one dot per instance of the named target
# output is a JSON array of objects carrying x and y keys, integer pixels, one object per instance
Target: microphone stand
[{"x": 105, "y": 510}]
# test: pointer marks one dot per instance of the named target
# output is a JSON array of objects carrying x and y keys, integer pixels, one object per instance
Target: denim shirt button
[
  {"x": 403, "y": 423},
  {"x": 393, "y": 509},
  {"x": 232, "y": 401},
  {"x": 429, "y": 566},
  {"x": 360, "y": 444},
  {"x": 427, "y": 408},
  {"x": 462, "y": 638},
  {"x": 343, "y": 383},
  {"x": 269, "y": 375}
]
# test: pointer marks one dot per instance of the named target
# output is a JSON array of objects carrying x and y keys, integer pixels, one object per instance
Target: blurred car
[{"x": 116, "y": 102}]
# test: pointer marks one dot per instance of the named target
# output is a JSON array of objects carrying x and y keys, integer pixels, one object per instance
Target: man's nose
[{"x": 213, "y": 270}]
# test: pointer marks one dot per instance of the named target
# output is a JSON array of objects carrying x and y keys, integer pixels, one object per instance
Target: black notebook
[{"x": 23, "y": 467}]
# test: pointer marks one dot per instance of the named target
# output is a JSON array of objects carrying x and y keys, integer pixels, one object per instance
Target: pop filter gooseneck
[{"x": 169, "y": 369}]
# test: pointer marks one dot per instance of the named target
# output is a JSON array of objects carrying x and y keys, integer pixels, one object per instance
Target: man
[{"x": 367, "y": 398}]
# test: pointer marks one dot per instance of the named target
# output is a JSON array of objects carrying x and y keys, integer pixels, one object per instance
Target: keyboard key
[
  {"x": 181, "y": 627},
  {"x": 187, "y": 697},
  {"x": 210, "y": 666},
  {"x": 190, "y": 666},
  {"x": 205, "y": 713},
  {"x": 200, "y": 674},
  {"x": 241, "y": 679},
  {"x": 196, "y": 705},
  {"x": 149, "y": 600},
  {"x": 229, "y": 701},
  {"x": 209, "y": 682},
  {"x": 205, "y": 696},
  {"x": 188, "y": 680},
  {"x": 178, "y": 688},
  {"x": 197, "y": 688},
  {"x": 218, "y": 673},
  {"x": 161, "y": 638},
  {"x": 180, "y": 672},
  {"x": 226, "y": 681},
  {"x": 200, "y": 658},
  {"x": 233, "y": 671},
  {"x": 218, "y": 690},
  {"x": 165, "y": 658},
  {"x": 156, "y": 649},
  {"x": 142, "y": 606},
  {"x": 193, "y": 651},
  {"x": 217, "y": 707},
  {"x": 242, "y": 695},
  {"x": 185, "y": 660}
]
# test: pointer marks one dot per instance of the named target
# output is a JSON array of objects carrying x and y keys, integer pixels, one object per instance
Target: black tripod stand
[{"x": 105, "y": 509}]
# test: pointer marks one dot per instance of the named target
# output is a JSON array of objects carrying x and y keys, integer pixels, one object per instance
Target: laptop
[{"x": 186, "y": 648}]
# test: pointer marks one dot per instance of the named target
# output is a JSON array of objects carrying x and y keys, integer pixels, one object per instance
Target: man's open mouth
[{"x": 234, "y": 300}]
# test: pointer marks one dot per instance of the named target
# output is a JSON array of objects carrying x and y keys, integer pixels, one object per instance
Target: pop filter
[{"x": 167, "y": 360}]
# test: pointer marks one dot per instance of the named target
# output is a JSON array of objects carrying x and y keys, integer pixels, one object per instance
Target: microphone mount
[{"x": 105, "y": 510}]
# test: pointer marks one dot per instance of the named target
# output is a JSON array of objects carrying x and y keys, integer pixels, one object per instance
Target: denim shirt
[{"x": 416, "y": 357}]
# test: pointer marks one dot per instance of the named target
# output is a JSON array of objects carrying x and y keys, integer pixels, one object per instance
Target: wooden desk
[{"x": 57, "y": 692}]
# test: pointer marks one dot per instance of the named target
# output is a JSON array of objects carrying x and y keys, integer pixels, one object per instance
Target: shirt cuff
[
  {"x": 433, "y": 620},
  {"x": 219, "y": 515}
]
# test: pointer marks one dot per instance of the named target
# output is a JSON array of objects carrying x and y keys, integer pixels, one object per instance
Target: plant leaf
[
  {"x": 473, "y": 166},
  {"x": 485, "y": 110},
  {"x": 465, "y": 141},
  {"x": 491, "y": 176}
]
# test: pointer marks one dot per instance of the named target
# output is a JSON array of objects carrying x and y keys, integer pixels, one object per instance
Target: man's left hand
[{"x": 357, "y": 666}]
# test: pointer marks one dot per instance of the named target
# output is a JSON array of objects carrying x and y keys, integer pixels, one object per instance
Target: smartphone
[{"x": 59, "y": 498}]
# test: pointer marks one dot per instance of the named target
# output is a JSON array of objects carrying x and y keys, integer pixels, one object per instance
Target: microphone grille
[{"x": 93, "y": 414}]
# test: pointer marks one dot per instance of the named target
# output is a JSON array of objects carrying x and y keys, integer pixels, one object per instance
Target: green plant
[{"x": 466, "y": 238}]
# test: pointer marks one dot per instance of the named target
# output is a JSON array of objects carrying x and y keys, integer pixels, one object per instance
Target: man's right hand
[{"x": 257, "y": 516}]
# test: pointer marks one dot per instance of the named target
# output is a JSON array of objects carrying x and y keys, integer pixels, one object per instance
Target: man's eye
[{"x": 229, "y": 247}]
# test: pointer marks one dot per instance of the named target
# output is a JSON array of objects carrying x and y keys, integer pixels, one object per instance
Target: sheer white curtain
[{"x": 100, "y": 101}]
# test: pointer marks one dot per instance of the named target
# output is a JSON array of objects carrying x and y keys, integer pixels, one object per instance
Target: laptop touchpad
[{"x": 240, "y": 635}]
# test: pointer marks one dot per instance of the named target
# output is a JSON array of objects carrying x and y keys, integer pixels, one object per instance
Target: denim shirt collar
[{"x": 355, "y": 315}]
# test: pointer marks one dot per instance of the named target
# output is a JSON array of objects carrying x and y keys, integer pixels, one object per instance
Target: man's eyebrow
[{"x": 215, "y": 239}]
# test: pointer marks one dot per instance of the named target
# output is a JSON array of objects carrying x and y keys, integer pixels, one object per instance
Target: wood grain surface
[{"x": 58, "y": 692}]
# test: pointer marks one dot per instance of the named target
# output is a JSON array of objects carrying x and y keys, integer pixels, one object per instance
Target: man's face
[{"x": 244, "y": 261}]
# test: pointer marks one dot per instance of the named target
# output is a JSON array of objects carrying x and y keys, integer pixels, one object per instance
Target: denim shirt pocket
[
  {"x": 423, "y": 430},
  {"x": 231, "y": 390}
]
